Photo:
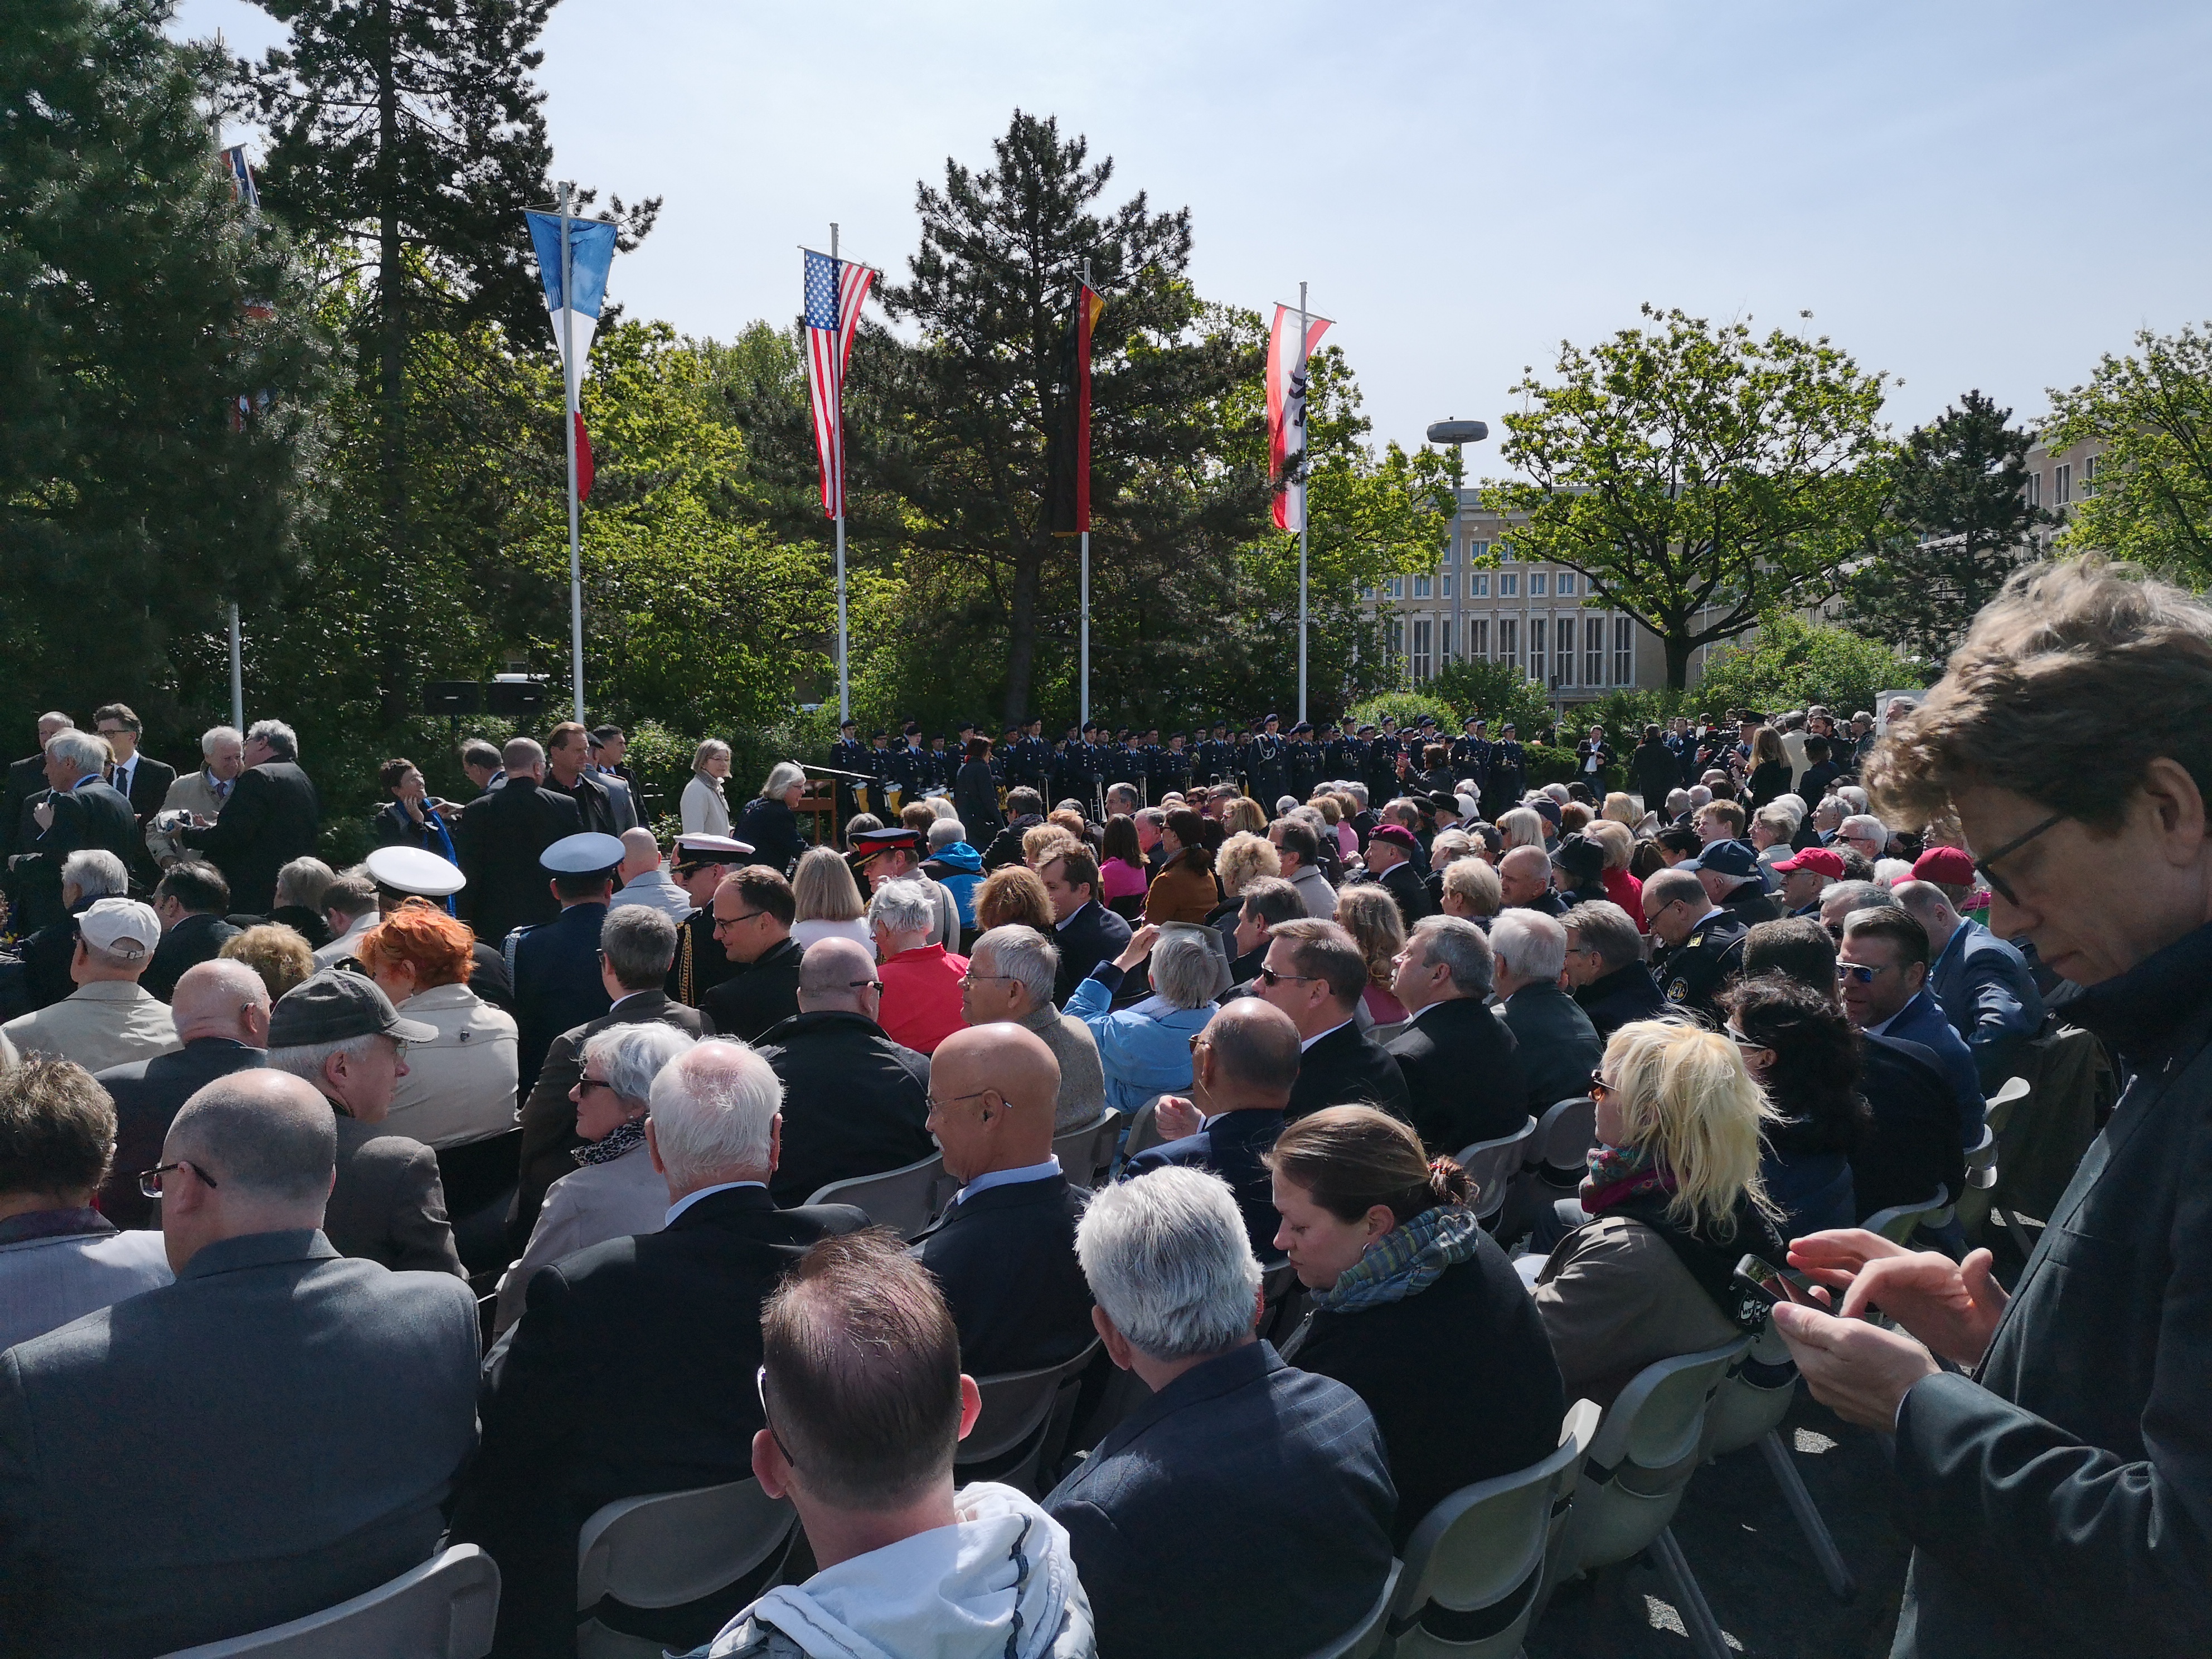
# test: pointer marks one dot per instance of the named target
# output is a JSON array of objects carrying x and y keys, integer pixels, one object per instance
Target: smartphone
[{"x": 1768, "y": 1283}]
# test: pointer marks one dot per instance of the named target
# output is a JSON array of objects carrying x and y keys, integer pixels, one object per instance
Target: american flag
[{"x": 834, "y": 289}]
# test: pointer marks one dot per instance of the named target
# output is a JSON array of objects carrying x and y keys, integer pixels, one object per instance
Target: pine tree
[
  {"x": 130, "y": 510},
  {"x": 408, "y": 134},
  {"x": 1958, "y": 499}
]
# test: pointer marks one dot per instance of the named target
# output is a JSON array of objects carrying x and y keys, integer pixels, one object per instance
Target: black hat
[
  {"x": 877, "y": 732},
  {"x": 336, "y": 1006},
  {"x": 1580, "y": 857},
  {"x": 1270, "y": 720},
  {"x": 1302, "y": 726},
  {"x": 842, "y": 725},
  {"x": 1366, "y": 727}
]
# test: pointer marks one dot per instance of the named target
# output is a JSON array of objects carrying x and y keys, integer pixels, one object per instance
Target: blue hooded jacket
[{"x": 960, "y": 867}]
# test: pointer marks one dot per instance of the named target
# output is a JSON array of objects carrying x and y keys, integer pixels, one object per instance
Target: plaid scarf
[
  {"x": 625, "y": 1137},
  {"x": 1404, "y": 1262},
  {"x": 1618, "y": 1173}
]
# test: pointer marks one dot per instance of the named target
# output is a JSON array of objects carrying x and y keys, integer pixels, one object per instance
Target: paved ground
[{"x": 1759, "y": 1577}]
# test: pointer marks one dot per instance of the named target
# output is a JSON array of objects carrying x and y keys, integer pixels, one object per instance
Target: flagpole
[
  {"x": 1305, "y": 403},
  {"x": 569, "y": 420},
  {"x": 1082, "y": 300},
  {"x": 237, "y": 673},
  {"x": 837, "y": 414}
]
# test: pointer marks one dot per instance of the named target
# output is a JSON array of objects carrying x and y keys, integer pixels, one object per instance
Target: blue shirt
[{"x": 990, "y": 1178}]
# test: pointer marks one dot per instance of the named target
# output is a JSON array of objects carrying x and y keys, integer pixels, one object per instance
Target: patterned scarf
[
  {"x": 1618, "y": 1172},
  {"x": 1404, "y": 1262},
  {"x": 626, "y": 1137}
]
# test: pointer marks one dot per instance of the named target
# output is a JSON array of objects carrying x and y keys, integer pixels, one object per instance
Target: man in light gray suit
[{"x": 272, "y": 1435}]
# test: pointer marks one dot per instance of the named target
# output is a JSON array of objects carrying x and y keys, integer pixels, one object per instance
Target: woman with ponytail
[
  {"x": 1673, "y": 1201},
  {"x": 1415, "y": 1309}
]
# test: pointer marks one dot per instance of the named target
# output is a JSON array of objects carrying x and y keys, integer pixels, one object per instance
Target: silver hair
[
  {"x": 1677, "y": 800},
  {"x": 903, "y": 906},
  {"x": 944, "y": 832},
  {"x": 282, "y": 739},
  {"x": 1852, "y": 795},
  {"x": 1166, "y": 1256},
  {"x": 1024, "y": 955},
  {"x": 781, "y": 776},
  {"x": 714, "y": 1112},
  {"x": 88, "y": 751},
  {"x": 522, "y": 755},
  {"x": 96, "y": 872},
  {"x": 215, "y": 735},
  {"x": 1865, "y": 825},
  {"x": 640, "y": 942},
  {"x": 1358, "y": 792},
  {"x": 1889, "y": 872},
  {"x": 1533, "y": 945},
  {"x": 1462, "y": 948},
  {"x": 306, "y": 1060},
  {"x": 1700, "y": 795},
  {"x": 1183, "y": 970},
  {"x": 1851, "y": 895},
  {"x": 1523, "y": 826},
  {"x": 1153, "y": 817},
  {"x": 1609, "y": 930},
  {"x": 304, "y": 882},
  {"x": 631, "y": 1056}
]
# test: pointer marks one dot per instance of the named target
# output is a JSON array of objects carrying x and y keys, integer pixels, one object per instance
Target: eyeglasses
[
  {"x": 720, "y": 922},
  {"x": 1268, "y": 975},
  {"x": 1862, "y": 973},
  {"x": 586, "y": 1084},
  {"x": 937, "y": 1106},
  {"x": 971, "y": 977},
  {"x": 1742, "y": 1041},
  {"x": 875, "y": 985},
  {"x": 760, "y": 1388},
  {"x": 1998, "y": 885},
  {"x": 149, "y": 1180},
  {"x": 1598, "y": 1086}
]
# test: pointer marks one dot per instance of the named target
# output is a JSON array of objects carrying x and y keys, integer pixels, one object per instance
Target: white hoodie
[{"x": 1001, "y": 1570}]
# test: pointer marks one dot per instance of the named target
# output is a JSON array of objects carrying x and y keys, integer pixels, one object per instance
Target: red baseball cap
[
  {"x": 1813, "y": 857},
  {"x": 1952, "y": 867}
]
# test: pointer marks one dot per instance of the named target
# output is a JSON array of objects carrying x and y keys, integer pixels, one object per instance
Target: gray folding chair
[
  {"x": 1364, "y": 1638},
  {"x": 444, "y": 1610},
  {"x": 670, "y": 1548},
  {"x": 1086, "y": 1151},
  {"x": 1748, "y": 1409},
  {"x": 906, "y": 1200},
  {"x": 1632, "y": 1483},
  {"x": 1023, "y": 1412},
  {"x": 1143, "y": 1130},
  {"x": 1897, "y": 1223},
  {"x": 1978, "y": 1202},
  {"x": 1565, "y": 1135},
  {"x": 1280, "y": 1293},
  {"x": 1490, "y": 1165},
  {"x": 1482, "y": 1548}
]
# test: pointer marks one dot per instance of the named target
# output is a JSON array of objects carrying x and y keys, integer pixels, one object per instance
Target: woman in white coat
[
  {"x": 705, "y": 809},
  {"x": 614, "y": 1191}
]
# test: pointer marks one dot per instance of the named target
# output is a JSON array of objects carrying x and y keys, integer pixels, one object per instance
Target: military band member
[{"x": 1271, "y": 765}]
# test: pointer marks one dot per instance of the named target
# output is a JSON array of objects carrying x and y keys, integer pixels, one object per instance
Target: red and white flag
[{"x": 1286, "y": 411}]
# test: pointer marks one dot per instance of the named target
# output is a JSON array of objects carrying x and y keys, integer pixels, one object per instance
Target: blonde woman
[
  {"x": 1620, "y": 844},
  {"x": 1521, "y": 827},
  {"x": 1043, "y": 842},
  {"x": 1244, "y": 859},
  {"x": 704, "y": 810},
  {"x": 1371, "y": 915},
  {"x": 1620, "y": 808},
  {"x": 1244, "y": 816},
  {"x": 827, "y": 900},
  {"x": 1672, "y": 1200}
]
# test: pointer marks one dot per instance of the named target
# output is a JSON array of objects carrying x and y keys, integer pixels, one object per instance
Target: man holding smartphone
[{"x": 2053, "y": 1444}]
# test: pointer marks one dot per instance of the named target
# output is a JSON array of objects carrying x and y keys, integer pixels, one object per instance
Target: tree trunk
[
  {"x": 1021, "y": 631},
  {"x": 391, "y": 618},
  {"x": 1679, "y": 647}
]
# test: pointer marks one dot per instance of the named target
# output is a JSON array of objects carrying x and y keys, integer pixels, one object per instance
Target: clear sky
[{"x": 1968, "y": 195}]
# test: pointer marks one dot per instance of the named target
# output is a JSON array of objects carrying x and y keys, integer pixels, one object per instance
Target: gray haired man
[{"x": 1010, "y": 976}]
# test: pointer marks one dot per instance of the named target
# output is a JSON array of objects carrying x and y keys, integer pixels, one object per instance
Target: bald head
[
  {"x": 1931, "y": 906},
  {"x": 834, "y": 976},
  {"x": 1250, "y": 1056},
  {"x": 1524, "y": 875},
  {"x": 992, "y": 1091},
  {"x": 267, "y": 1139},
  {"x": 221, "y": 998},
  {"x": 640, "y": 853}
]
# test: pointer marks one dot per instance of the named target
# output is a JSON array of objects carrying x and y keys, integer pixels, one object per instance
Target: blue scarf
[{"x": 1404, "y": 1262}]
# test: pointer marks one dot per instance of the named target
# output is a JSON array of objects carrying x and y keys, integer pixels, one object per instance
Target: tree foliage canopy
[
  {"x": 2151, "y": 500},
  {"x": 1794, "y": 663}
]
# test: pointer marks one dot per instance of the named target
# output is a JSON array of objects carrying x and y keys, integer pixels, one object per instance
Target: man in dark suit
[
  {"x": 1464, "y": 1075},
  {"x": 502, "y": 836},
  {"x": 1004, "y": 1248},
  {"x": 1245, "y": 1507},
  {"x": 339, "y": 1032},
  {"x": 273, "y": 817},
  {"x": 752, "y": 910},
  {"x": 569, "y": 772},
  {"x": 1087, "y": 931},
  {"x": 1314, "y": 973},
  {"x": 1559, "y": 1048},
  {"x": 1982, "y": 983},
  {"x": 1390, "y": 853},
  {"x": 81, "y": 810},
  {"x": 632, "y": 967},
  {"x": 192, "y": 899},
  {"x": 1242, "y": 1067},
  {"x": 2056, "y": 1485},
  {"x": 272, "y": 1435},
  {"x": 632, "y": 1369},
  {"x": 1605, "y": 967},
  {"x": 855, "y": 1103},
  {"x": 556, "y": 966},
  {"x": 26, "y": 778},
  {"x": 1883, "y": 973},
  {"x": 221, "y": 1011},
  {"x": 139, "y": 779}
]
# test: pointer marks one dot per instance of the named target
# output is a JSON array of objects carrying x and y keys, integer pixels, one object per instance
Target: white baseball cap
[{"x": 121, "y": 927}]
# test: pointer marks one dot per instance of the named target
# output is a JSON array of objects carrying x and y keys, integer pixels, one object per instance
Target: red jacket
[{"x": 922, "y": 997}]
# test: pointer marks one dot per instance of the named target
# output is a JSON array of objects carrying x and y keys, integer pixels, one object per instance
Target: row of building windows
[
  {"x": 1560, "y": 651},
  {"x": 1542, "y": 584},
  {"x": 2062, "y": 484}
]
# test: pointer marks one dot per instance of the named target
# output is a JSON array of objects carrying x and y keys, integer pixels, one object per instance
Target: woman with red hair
[{"x": 459, "y": 1086}]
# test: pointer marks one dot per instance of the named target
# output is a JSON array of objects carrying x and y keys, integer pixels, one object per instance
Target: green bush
[
  {"x": 1548, "y": 763},
  {"x": 1496, "y": 691},
  {"x": 1407, "y": 707},
  {"x": 1793, "y": 663}
]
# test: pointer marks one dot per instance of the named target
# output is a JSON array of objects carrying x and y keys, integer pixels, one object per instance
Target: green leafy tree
[
  {"x": 131, "y": 510},
  {"x": 408, "y": 135},
  {"x": 1697, "y": 476},
  {"x": 2152, "y": 499},
  {"x": 1958, "y": 492},
  {"x": 1497, "y": 692},
  {"x": 1793, "y": 663}
]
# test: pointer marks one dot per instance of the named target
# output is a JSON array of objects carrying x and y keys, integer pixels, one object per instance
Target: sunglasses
[
  {"x": 1998, "y": 885},
  {"x": 1270, "y": 976},
  {"x": 760, "y": 1388},
  {"x": 1599, "y": 1087},
  {"x": 1860, "y": 973}
]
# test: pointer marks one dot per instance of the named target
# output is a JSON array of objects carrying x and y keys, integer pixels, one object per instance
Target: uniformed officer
[
  {"x": 1271, "y": 765},
  {"x": 698, "y": 865},
  {"x": 1358, "y": 749},
  {"x": 1704, "y": 943},
  {"x": 1382, "y": 757},
  {"x": 1179, "y": 763},
  {"x": 404, "y": 873},
  {"x": 1040, "y": 755},
  {"x": 1509, "y": 771},
  {"x": 555, "y": 967},
  {"x": 1470, "y": 752},
  {"x": 1156, "y": 771},
  {"x": 849, "y": 754}
]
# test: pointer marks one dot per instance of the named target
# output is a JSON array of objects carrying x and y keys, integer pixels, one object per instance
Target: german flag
[{"x": 1071, "y": 451}]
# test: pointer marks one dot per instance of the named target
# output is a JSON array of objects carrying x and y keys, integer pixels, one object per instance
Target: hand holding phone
[{"x": 1769, "y": 1283}]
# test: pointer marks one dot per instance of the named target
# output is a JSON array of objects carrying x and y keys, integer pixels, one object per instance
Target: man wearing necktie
[
  {"x": 139, "y": 779},
  {"x": 222, "y": 752}
]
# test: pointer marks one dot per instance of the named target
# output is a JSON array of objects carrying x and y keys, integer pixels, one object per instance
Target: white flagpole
[
  {"x": 569, "y": 419},
  {"x": 237, "y": 673},
  {"x": 837, "y": 448},
  {"x": 1085, "y": 714},
  {"x": 1304, "y": 402}
]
